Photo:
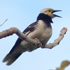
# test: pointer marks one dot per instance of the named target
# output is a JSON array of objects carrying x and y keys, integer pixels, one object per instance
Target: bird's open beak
[{"x": 55, "y": 14}]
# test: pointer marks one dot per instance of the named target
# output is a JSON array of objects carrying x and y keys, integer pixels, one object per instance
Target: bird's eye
[{"x": 49, "y": 10}]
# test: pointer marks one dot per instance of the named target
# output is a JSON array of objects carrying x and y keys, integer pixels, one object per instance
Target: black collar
[{"x": 45, "y": 18}]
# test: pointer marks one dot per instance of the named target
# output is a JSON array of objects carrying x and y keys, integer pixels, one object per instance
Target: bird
[{"x": 41, "y": 29}]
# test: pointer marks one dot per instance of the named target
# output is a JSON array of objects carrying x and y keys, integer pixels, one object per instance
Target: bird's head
[{"x": 49, "y": 12}]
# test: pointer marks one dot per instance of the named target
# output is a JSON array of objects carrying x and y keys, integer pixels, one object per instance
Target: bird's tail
[{"x": 11, "y": 58}]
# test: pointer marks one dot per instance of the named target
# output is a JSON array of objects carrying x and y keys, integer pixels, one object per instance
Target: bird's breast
[
  {"x": 46, "y": 35},
  {"x": 41, "y": 32}
]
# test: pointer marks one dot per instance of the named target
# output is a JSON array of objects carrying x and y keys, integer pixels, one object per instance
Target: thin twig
[{"x": 3, "y": 22}]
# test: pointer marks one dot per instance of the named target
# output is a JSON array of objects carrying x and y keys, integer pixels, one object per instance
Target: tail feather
[
  {"x": 6, "y": 57},
  {"x": 11, "y": 58},
  {"x": 10, "y": 61}
]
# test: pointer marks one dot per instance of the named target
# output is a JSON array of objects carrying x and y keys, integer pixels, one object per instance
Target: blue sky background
[{"x": 21, "y": 13}]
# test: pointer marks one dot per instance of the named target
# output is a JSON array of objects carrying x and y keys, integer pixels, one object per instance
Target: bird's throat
[{"x": 45, "y": 18}]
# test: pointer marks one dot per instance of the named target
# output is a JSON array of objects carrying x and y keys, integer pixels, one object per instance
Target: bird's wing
[
  {"x": 16, "y": 50},
  {"x": 29, "y": 29}
]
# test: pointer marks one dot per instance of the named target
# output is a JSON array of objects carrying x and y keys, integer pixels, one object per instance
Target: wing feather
[{"x": 29, "y": 29}]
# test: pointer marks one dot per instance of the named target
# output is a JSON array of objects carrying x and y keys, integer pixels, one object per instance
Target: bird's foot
[{"x": 38, "y": 42}]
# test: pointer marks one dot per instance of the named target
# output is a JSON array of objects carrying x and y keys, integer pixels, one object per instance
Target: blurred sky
[{"x": 21, "y": 13}]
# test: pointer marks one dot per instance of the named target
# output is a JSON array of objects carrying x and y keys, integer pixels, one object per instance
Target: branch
[
  {"x": 3, "y": 22},
  {"x": 30, "y": 40},
  {"x": 20, "y": 34},
  {"x": 57, "y": 41}
]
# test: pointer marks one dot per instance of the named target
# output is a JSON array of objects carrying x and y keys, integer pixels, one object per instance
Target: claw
[{"x": 38, "y": 42}]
